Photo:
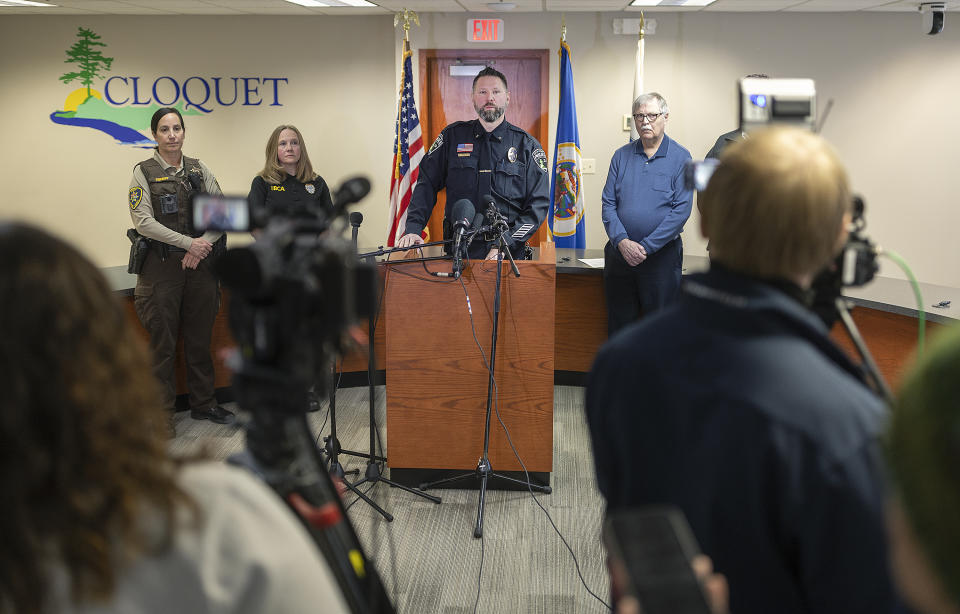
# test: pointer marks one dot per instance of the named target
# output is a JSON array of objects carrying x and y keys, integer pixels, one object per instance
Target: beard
[{"x": 490, "y": 115}]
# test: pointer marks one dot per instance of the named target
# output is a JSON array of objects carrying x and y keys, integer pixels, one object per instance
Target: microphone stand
[
  {"x": 332, "y": 443},
  {"x": 382, "y": 251},
  {"x": 484, "y": 470},
  {"x": 374, "y": 474}
]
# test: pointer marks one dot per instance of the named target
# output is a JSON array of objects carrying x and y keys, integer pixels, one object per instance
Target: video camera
[
  {"x": 295, "y": 292},
  {"x": 794, "y": 102}
]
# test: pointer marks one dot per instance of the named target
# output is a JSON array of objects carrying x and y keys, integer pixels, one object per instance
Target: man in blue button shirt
[{"x": 645, "y": 205}]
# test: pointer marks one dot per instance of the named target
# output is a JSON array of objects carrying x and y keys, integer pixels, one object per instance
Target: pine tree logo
[{"x": 90, "y": 60}]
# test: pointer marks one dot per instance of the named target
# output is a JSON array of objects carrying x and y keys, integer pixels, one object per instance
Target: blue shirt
[{"x": 644, "y": 198}]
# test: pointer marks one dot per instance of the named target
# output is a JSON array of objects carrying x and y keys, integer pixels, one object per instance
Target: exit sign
[{"x": 485, "y": 30}]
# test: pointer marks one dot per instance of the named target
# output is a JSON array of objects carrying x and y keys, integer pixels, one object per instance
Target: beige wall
[
  {"x": 74, "y": 180},
  {"x": 343, "y": 74}
]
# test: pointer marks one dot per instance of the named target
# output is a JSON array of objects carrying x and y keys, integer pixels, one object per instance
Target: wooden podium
[{"x": 437, "y": 379}]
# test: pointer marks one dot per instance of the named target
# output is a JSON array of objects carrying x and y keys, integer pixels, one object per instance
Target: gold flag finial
[
  {"x": 405, "y": 16},
  {"x": 563, "y": 27},
  {"x": 641, "y": 25}
]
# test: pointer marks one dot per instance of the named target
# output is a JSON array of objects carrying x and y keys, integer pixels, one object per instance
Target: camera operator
[
  {"x": 734, "y": 405},
  {"x": 923, "y": 516},
  {"x": 97, "y": 517},
  {"x": 176, "y": 288},
  {"x": 728, "y": 138}
]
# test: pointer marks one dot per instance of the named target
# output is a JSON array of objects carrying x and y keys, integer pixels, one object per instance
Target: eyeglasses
[{"x": 650, "y": 117}]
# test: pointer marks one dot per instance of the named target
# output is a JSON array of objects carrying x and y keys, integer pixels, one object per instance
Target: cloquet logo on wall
[{"x": 124, "y": 106}]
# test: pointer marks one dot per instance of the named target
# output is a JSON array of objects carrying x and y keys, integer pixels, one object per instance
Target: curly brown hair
[{"x": 82, "y": 432}]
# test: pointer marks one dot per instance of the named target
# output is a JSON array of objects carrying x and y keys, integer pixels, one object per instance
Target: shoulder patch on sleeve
[
  {"x": 541, "y": 159},
  {"x": 136, "y": 195},
  {"x": 436, "y": 144}
]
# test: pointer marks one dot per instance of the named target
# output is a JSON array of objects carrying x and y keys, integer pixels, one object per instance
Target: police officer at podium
[
  {"x": 176, "y": 286},
  {"x": 485, "y": 156}
]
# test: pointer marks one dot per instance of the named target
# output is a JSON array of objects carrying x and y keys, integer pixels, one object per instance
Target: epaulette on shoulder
[{"x": 458, "y": 124}]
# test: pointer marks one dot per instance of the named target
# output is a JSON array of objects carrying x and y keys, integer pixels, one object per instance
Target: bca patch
[
  {"x": 136, "y": 195},
  {"x": 436, "y": 144},
  {"x": 541, "y": 159}
]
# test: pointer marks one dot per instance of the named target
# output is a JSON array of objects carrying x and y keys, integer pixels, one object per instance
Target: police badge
[
  {"x": 512, "y": 154},
  {"x": 310, "y": 188}
]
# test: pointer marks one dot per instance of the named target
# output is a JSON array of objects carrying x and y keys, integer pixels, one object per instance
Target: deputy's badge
[
  {"x": 541, "y": 159},
  {"x": 436, "y": 144},
  {"x": 136, "y": 195},
  {"x": 310, "y": 188},
  {"x": 512, "y": 154}
]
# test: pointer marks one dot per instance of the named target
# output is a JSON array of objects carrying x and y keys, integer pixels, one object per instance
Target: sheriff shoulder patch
[
  {"x": 541, "y": 159},
  {"x": 436, "y": 144},
  {"x": 136, "y": 195}
]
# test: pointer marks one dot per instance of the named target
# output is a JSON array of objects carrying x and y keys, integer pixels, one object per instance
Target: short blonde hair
[
  {"x": 775, "y": 206},
  {"x": 272, "y": 171}
]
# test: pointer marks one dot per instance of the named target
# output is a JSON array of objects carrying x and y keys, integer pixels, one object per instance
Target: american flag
[{"x": 407, "y": 152}]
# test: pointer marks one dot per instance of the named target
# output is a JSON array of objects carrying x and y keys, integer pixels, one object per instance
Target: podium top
[{"x": 546, "y": 254}]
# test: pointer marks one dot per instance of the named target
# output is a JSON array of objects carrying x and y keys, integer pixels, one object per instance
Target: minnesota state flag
[{"x": 566, "y": 188}]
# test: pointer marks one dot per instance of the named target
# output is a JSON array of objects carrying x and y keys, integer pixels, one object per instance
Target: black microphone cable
[{"x": 496, "y": 406}]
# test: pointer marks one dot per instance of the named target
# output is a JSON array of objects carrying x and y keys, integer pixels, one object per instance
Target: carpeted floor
[{"x": 428, "y": 558}]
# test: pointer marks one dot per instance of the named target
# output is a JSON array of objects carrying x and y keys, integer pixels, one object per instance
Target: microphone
[
  {"x": 477, "y": 222},
  {"x": 493, "y": 213},
  {"x": 351, "y": 191},
  {"x": 462, "y": 213},
  {"x": 475, "y": 228},
  {"x": 356, "y": 218},
  {"x": 488, "y": 201}
]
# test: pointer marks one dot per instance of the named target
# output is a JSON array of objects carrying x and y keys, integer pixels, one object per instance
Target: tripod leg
[
  {"x": 478, "y": 529},
  {"x": 415, "y": 491},
  {"x": 353, "y": 488},
  {"x": 456, "y": 478},
  {"x": 536, "y": 487},
  {"x": 337, "y": 471}
]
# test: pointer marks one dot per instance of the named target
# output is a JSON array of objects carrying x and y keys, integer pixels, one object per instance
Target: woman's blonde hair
[
  {"x": 775, "y": 206},
  {"x": 272, "y": 171}
]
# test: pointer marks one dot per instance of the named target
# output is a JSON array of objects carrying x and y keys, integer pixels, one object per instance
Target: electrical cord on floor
[{"x": 496, "y": 406}]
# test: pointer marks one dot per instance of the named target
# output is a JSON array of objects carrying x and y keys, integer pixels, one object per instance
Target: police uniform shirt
[
  {"x": 513, "y": 170},
  {"x": 141, "y": 209},
  {"x": 291, "y": 197}
]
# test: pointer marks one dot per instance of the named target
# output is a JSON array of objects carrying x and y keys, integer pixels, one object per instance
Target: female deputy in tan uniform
[
  {"x": 287, "y": 185},
  {"x": 176, "y": 286}
]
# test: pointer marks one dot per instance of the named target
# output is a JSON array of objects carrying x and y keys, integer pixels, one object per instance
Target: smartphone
[
  {"x": 697, "y": 173},
  {"x": 655, "y": 547},
  {"x": 220, "y": 212}
]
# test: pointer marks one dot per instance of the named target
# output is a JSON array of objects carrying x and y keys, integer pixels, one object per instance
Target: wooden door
[{"x": 447, "y": 99}]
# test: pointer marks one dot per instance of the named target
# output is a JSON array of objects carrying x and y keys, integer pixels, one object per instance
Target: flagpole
[
  {"x": 637, "y": 79},
  {"x": 408, "y": 147},
  {"x": 566, "y": 223}
]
